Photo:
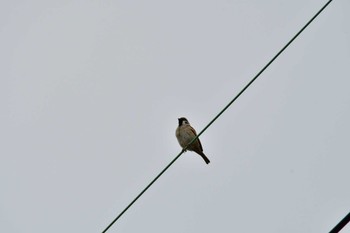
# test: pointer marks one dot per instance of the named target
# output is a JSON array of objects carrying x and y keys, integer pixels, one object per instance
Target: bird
[{"x": 184, "y": 134}]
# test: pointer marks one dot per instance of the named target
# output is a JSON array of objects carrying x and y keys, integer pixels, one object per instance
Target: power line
[
  {"x": 341, "y": 224},
  {"x": 220, "y": 113}
]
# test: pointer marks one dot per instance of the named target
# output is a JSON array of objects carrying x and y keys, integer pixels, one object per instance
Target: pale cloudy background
[{"x": 90, "y": 95}]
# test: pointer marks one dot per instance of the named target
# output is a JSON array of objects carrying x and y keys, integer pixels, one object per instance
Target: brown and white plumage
[{"x": 185, "y": 133}]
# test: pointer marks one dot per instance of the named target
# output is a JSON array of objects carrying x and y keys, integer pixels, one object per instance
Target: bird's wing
[{"x": 195, "y": 134}]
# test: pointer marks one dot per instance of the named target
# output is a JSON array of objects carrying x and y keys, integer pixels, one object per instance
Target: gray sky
[{"x": 90, "y": 96}]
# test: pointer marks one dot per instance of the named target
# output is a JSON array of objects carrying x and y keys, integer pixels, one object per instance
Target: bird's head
[{"x": 183, "y": 121}]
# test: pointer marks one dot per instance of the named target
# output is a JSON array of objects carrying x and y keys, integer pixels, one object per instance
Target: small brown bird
[{"x": 185, "y": 133}]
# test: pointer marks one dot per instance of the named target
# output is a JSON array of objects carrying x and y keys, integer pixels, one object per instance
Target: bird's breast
[{"x": 184, "y": 136}]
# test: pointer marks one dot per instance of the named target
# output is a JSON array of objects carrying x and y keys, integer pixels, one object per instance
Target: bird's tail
[{"x": 204, "y": 157}]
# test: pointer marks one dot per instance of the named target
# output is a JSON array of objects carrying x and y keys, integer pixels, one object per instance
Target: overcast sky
[{"x": 90, "y": 93}]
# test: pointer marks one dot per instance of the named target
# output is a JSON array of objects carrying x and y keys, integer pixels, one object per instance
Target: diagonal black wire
[
  {"x": 221, "y": 112},
  {"x": 341, "y": 224}
]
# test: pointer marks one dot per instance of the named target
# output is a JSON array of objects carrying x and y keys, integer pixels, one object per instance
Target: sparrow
[{"x": 184, "y": 134}]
